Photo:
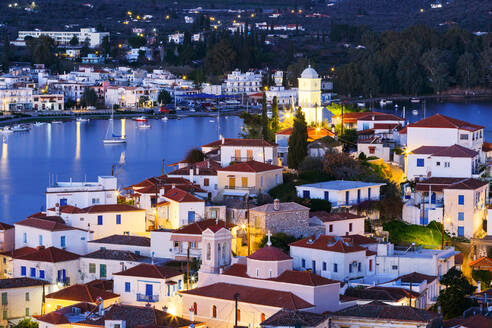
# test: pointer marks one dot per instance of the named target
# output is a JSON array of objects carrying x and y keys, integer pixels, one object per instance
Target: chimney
[
  {"x": 373, "y": 117},
  {"x": 191, "y": 174},
  {"x": 197, "y": 170},
  {"x": 57, "y": 208},
  {"x": 276, "y": 204},
  {"x": 222, "y": 139},
  {"x": 40, "y": 247}
]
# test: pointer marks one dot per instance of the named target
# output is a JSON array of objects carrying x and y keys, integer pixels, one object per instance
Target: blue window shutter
[
  {"x": 420, "y": 162},
  {"x": 461, "y": 216},
  {"x": 41, "y": 274},
  {"x": 461, "y": 231},
  {"x": 118, "y": 218},
  {"x": 306, "y": 194},
  {"x": 127, "y": 287},
  {"x": 23, "y": 271},
  {"x": 461, "y": 199},
  {"x": 99, "y": 220},
  {"x": 33, "y": 272}
]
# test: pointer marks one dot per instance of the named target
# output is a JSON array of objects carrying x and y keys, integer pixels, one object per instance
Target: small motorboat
[
  {"x": 20, "y": 128},
  {"x": 143, "y": 126},
  {"x": 39, "y": 123},
  {"x": 56, "y": 122},
  {"x": 7, "y": 130},
  {"x": 415, "y": 112},
  {"x": 361, "y": 104},
  {"x": 383, "y": 102},
  {"x": 396, "y": 106},
  {"x": 415, "y": 100},
  {"x": 141, "y": 119},
  {"x": 81, "y": 119},
  {"x": 164, "y": 118},
  {"x": 211, "y": 121}
]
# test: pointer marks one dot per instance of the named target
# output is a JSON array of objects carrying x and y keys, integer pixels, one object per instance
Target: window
[
  {"x": 330, "y": 227},
  {"x": 206, "y": 182},
  {"x": 99, "y": 220},
  {"x": 27, "y": 296},
  {"x": 40, "y": 240},
  {"x": 394, "y": 267},
  {"x": 350, "y": 227},
  {"x": 27, "y": 312},
  {"x": 372, "y": 150},
  {"x": 25, "y": 237},
  {"x": 303, "y": 263},
  {"x": 23, "y": 271},
  {"x": 244, "y": 182},
  {"x": 461, "y": 216},
  {"x": 370, "y": 265},
  {"x": 63, "y": 241},
  {"x": 118, "y": 218},
  {"x": 327, "y": 195},
  {"x": 306, "y": 194},
  {"x": 102, "y": 270},
  {"x": 420, "y": 162},
  {"x": 5, "y": 316},
  {"x": 208, "y": 251},
  {"x": 359, "y": 267},
  {"x": 438, "y": 163},
  {"x": 137, "y": 252},
  {"x": 350, "y": 268},
  {"x": 461, "y": 199},
  {"x": 4, "y": 299},
  {"x": 324, "y": 266},
  {"x": 41, "y": 274},
  {"x": 261, "y": 181},
  {"x": 463, "y": 136},
  {"x": 92, "y": 267},
  {"x": 127, "y": 287},
  {"x": 447, "y": 164},
  {"x": 257, "y": 272},
  {"x": 191, "y": 217},
  {"x": 335, "y": 267},
  {"x": 214, "y": 311},
  {"x": 277, "y": 179},
  {"x": 461, "y": 231},
  {"x": 33, "y": 273},
  {"x": 195, "y": 308}
]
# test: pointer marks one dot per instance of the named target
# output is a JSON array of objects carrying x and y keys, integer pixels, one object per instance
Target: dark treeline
[{"x": 415, "y": 61}]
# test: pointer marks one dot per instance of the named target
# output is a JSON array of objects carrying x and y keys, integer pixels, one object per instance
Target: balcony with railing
[
  {"x": 241, "y": 159},
  {"x": 147, "y": 298},
  {"x": 63, "y": 281}
]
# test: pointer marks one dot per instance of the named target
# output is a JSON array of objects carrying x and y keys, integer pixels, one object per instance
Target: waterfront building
[
  {"x": 341, "y": 193},
  {"x": 367, "y": 120},
  {"x": 16, "y": 99},
  {"x": 285, "y": 97},
  {"x": 90, "y": 35},
  {"x": 82, "y": 194},
  {"x": 242, "y": 83},
  {"x": 309, "y": 96},
  {"x": 131, "y": 96},
  {"x": 151, "y": 284},
  {"x": 21, "y": 298},
  {"x": 44, "y": 101}
]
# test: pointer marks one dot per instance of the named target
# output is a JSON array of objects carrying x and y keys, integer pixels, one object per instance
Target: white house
[
  {"x": 341, "y": 193},
  {"x": 176, "y": 38},
  {"x": 332, "y": 257},
  {"x": 90, "y": 35},
  {"x": 426, "y": 285},
  {"x": 437, "y": 161},
  {"x": 104, "y": 263},
  {"x": 139, "y": 245},
  {"x": 150, "y": 283},
  {"x": 83, "y": 194},
  {"x": 21, "y": 298},
  {"x": 104, "y": 220},
  {"x": 205, "y": 177},
  {"x": 242, "y": 83},
  {"x": 181, "y": 208},
  {"x": 130, "y": 96},
  {"x": 56, "y": 266},
  {"x": 443, "y": 131},
  {"x": 34, "y": 232},
  {"x": 341, "y": 224}
]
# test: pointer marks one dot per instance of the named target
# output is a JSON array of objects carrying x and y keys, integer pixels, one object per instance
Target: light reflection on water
[{"x": 75, "y": 149}]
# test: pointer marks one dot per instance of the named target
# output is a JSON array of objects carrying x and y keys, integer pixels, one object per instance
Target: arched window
[
  {"x": 195, "y": 308},
  {"x": 214, "y": 311},
  {"x": 262, "y": 317},
  {"x": 223, "y": 252},
  {"x": 238, "y": 315},
  {"x": 219, "y": 251},
  {"x": 209, "y": 251}
]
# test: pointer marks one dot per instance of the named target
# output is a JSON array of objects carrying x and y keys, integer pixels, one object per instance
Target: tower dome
[{"x": 309, "y": 73}]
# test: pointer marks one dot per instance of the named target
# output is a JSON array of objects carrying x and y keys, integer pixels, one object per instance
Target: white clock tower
[{"x": 309, "y": 96}]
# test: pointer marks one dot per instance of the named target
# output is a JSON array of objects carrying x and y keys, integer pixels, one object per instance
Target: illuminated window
[{"x": 214, "y": 311}]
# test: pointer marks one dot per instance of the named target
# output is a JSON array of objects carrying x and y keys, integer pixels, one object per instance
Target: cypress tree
[
  {"x": 275, "y": 119},
  {"x": 265, "y": 124},
  {"x": 297, "y": 141}
]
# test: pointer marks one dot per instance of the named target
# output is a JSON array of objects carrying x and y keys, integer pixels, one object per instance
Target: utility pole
[
  {"x": 236, "y": 298},
  {"x": 163, "y": 166},
  {"x": 341, "y": 131},
  {"x": 248, "y": 227}
]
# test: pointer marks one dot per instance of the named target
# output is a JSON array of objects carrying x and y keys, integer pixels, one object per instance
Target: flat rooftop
[{"x": 342, "y": 185}]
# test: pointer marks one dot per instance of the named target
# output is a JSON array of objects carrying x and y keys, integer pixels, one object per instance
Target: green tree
[
  {"x": 5, "y": 52},
  {"x": 164, "y": 97},
  {"x": 467, "y": 71},
  {"x": 27, "y": 323},
  {"x": 74, "y": 41},
  {"x": 42, "y": 50},
  {"x": 275, "y": 117},
  {"x": 265, "y": 123},
  {"x": 279, "y": 240},
  {"x": 89, "y": 97},
  {"x": 453, "y": 300},
  {"x": 106, "y": 45},
  {"x": 437, "y": 69},
  {"x": 297, "y": 141},
  {"x": 220, "y": 58},
  {"x": 194, "y": 155},
  {"x": 136, "y": 41}
]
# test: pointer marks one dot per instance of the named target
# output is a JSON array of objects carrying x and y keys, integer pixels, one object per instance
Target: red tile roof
[
  {"x": 476, "y": 321},
  {"x": 251, "y": 295},
  {"x": 441, "y": 121},
  {"x": 416, "y": 278},
  {"x": 329, "y": 244},
  {"x": 181, "y": 196},
  {"x": 359, "y": 240},
  {"x": 196, "y": 228},
  {"x": 5, "y": 226},
  {"x": 250, "y": 166},
  {"x": 19, "y": 252},
  {"x": 385, "y": 126},
  {"x": 486, "y": 147},
  {"x": 313, "y": 133},
  {"x": 240, "y": 143},
  {"x": 21, "y": 282},
  {"x": 269, "y": 253},
  {"x": 46, "y": 225},
  {"x": 451, "y": 151},
  {"x": 196, "y": 171},
  {"x": 50, "y": 254},
  {"x": 70, "y": 209},
  {"x": 82, "y": 293},
  {"x": 151, "y": 271},
  {"x": 376, "y": 116},
  {"x": 330, "y": 217},
  {"x": 124, "y": 240},
  {"x": 470, "y": 184},
  {"x": 482, "y": 263},
  {"x": 54, "y": 318},
  {"x": 393, "y": 294}
]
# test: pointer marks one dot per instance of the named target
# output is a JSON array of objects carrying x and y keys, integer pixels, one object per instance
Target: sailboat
[{"x": 111, "y": 137}]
